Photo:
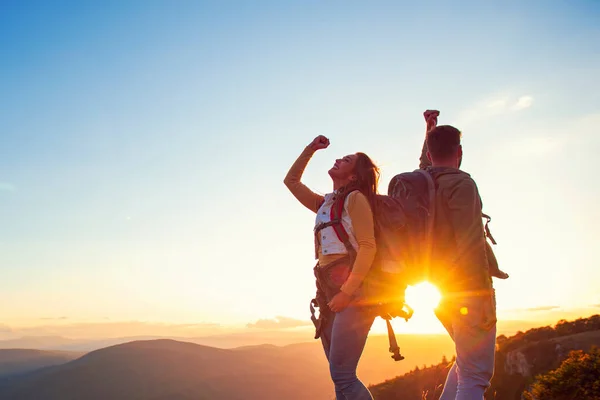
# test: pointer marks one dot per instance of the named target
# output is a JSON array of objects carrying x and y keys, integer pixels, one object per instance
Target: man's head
[{"x": 443, "y": 146}]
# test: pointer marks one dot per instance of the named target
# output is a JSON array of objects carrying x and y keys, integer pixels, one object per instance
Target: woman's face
[{"x": 343, "y": 169}]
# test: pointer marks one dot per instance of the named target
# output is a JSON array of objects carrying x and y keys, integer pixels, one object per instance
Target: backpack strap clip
[
  {"x": 487, "y": 228},
  {"x": 324, "y": 225}
]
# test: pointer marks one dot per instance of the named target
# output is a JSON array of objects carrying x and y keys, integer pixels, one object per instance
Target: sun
[{"x": 423, "y": 297}]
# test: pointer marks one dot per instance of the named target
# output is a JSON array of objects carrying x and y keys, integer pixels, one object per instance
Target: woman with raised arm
[{"x": 345, "y": 249}]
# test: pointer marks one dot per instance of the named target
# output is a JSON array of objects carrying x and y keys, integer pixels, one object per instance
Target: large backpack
[
  {"x": 403, "y": 232},
  {"x": 416, "y": 193},
  {"x": 403, "y": 222},
  {"x": 404, "y": 244}
]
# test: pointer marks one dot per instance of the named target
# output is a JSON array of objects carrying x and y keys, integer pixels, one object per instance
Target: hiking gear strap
[
  {"x": 394, "y": 348},
  {"x": 318, "y": 322},
  {"x": 487, "y": 228},
  {"x": 320, "y": 302},
  {"x": 428, "y": 250},
  {"x": 324, "y": 225},
  {"x": 336, "y": 221},
  {"x": 431, "y": 195}
]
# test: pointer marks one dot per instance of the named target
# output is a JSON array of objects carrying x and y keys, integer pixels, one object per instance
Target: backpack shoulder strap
[
  {"x": 336, "y": 221},
  {"x": 431, "y": 195},
  {"x": 427, "y": 251}
]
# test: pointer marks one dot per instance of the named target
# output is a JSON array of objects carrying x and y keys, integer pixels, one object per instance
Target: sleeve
[
  {"x": 423, "y": 160},
  {"x": 361, "y": 215},
  {"x": 464, "y": 207},
  {"x": 307, "y": 197}
]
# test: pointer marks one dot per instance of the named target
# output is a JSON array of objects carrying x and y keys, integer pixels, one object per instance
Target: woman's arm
[
  {"x": 307, "y": 197},
  {"x": 361, "y": 215}
]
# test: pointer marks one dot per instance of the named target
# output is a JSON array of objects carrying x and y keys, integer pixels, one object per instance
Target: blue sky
[{"x": 145, "y": 144}]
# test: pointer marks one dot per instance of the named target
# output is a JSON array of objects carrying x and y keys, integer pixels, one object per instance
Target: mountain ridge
[
  {"x": 19, "y": 361},
  {"x": 519, "y": 359},
  {"x": 169, "y": 369}
]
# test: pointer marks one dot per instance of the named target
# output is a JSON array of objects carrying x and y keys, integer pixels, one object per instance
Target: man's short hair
[{"x": 442, "y": 141}]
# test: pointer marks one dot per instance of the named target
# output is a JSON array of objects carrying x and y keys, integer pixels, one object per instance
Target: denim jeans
[
  {"x": 343, "y": 338},
  {"x": 471, "y": 322}
]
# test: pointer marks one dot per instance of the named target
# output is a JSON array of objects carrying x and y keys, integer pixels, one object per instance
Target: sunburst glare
[{"x": 423, "y": 297}]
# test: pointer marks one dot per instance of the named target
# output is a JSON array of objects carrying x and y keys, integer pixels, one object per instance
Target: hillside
[
  {"x": 18, "y": 361},
  {"x": 375, "y": 365},
  {"x": 168, "y": 369},
  {"x": 519, "y": 359},
  {"x": 73, "y": 345}
]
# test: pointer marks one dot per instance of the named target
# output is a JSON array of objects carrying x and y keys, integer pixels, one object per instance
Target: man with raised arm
[{"x": 459, "y": 264}]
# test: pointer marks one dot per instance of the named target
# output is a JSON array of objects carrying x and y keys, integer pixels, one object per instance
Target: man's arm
[
  {"x": 423, "y": 160},
  {"x": 431, "y": 122}
]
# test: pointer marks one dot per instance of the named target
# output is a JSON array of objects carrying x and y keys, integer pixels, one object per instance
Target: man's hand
[
  {"x": 339, "y": 302},
  {"x": 320, "y": 142},
  {"x": 431, "y": 118}
]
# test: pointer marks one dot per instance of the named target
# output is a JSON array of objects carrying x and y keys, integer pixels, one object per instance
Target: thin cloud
[
  {"x": 5, "y": 329},
  {"x": 494, "y": 105},
  {"x": 522, "y": 103},
  {"x": 7, "y": 187},
  {"x": 543, "y": 308},
  {"x": 54, "y": 318},
  {"x": 278, "y": 322},
  {"x": 531, "y": 309},
  {"x": 69, "y": 328}
]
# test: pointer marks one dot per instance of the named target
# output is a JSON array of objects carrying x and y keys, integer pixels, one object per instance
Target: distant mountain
[
  {"x": 167, "y": 369},
  {"x": 229, "y": 340},
  {"x": 37, "y": 342},
  {"x": 519, "y": 359},
  {"x": 65, "y": 344},
  {"x": 375, "y": 365},
  {"x": 19, "y": 361},
  {"x": 254, "y": 338}
]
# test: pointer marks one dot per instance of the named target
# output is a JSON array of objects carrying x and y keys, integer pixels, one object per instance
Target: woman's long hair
[{"x": 367, "y": 177}]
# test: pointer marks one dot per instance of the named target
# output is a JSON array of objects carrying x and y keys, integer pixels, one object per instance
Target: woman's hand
[
  {"x": 320, "y": 142},
  {"x": 339, "y": 302}
]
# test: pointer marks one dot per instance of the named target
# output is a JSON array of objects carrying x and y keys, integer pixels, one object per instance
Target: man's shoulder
[
  {"x": 452, "y": 178},
  {"x": 458, "y": 188}
]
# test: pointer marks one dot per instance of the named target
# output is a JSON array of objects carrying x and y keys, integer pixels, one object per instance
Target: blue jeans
[
  {"x": 471, "y": 322},
  {"x": 343, "y": 338}
]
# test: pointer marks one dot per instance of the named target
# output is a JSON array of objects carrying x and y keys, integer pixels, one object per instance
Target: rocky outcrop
[{"x": 516, "y": 363}]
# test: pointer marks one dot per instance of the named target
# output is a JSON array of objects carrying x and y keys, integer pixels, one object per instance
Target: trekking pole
[
  {"x": 405, "y": 312},
  {"x": 394, "y": 348}
]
